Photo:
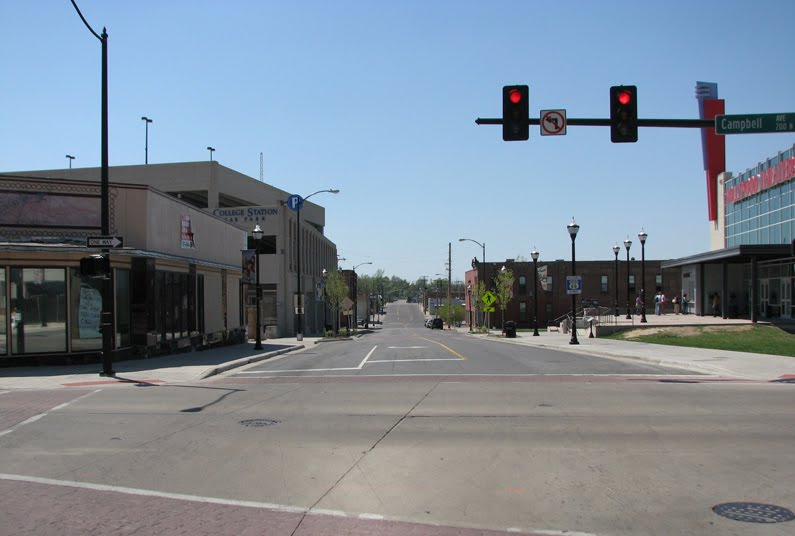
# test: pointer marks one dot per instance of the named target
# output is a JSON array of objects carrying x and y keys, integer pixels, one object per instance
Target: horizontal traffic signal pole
[{"x": 669, "y": 123}]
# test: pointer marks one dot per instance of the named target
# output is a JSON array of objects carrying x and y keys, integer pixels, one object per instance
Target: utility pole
[{"x": 449, "y": 281}]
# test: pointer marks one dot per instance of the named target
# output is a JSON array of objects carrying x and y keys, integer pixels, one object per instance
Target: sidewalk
[
  {"x": 174, "y": 368},
  {"x": 744, "y": 365}
]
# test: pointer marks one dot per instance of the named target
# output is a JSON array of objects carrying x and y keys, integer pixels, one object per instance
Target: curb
[{"x": 246, "y": 360}]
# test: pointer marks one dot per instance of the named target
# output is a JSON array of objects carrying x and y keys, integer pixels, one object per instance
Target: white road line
[
  {"x": 367, "y": 357},
  {"x": 44, "y": 414},
  {"x": 406, "y": 347},
  {"x": 412, "y": 360}
]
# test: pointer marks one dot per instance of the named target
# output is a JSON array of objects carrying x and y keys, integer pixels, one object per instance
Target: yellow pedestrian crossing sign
[{"x": 488, "y": 298}]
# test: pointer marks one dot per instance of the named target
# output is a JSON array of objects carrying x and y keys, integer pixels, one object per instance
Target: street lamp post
[
  {"x": 534, "y": 255},
  {"x": 356, "y": 297},
  {"x": 642, "y": 235},
  {"x": 107, "y": 317},
  {"x": 627, "y": 245},
  {"x": 299, "y": 308},
  {"x": 616, "y": 249},
  {"x": 469, "y": 293},
  {"x": 573, "y": 229},
  {"x": 146, "y": 144},
  {"x": 485, "y": 277},
  {"x": 324, "y": 273},
  {"x": 257, "y": 234},
  {"x": 70, "y": 157},
  {"x": 212, "y": 150}
]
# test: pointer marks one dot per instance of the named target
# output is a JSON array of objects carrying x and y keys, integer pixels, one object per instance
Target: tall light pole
[
  {"x": 70, "y": 157},
  {"x": 356, "y": 297},
  {"x": 534, "y": 255},
  {"x": 324, "y": 273},
  {"x": 107, "y": 321},
  {"x": 642, "y": 235},
  {"x": 146, "y": 145},
  {"x": 627, "y": 245},
  {"x": 212, "y": 150},
  {"x": 257, "y": 234},
  {"x": 299, "y": 308},
  {"x": 616, "y": 249},
  {"x": 573, "y": 229},
  {"x": 485, "y": 277}
]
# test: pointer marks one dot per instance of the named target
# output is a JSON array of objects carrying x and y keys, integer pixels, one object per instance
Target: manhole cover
[
  {"x": 754, "y": 512},
  {"x": 258, "y": 423}
]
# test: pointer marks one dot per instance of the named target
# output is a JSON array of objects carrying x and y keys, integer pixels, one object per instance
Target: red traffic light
[
  {"x": 515, "y": 96},
  {"x": 625, "y": 97}
]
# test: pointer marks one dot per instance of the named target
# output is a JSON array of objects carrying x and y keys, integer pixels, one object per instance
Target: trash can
[{"x": 510, "y": 329}]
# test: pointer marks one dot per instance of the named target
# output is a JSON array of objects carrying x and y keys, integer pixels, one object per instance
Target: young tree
[
  {"x": 503, "y": 291},
  {"x": 336, "y": 292}
]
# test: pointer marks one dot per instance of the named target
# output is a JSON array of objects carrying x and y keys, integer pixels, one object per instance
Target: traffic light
[
  {"x": 95, "y": 266},
  {"x": 515, "y": 113},
  {"x": 623, "y": 114}
]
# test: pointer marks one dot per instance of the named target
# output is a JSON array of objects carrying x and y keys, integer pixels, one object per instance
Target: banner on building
[
  {"x": 544, "y": 279},
  {"x": 187, "y": 238},
  {"x": 249, "y": 266}
]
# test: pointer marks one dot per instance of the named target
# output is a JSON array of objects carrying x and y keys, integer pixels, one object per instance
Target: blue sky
[{"x": 379, "y": 99}]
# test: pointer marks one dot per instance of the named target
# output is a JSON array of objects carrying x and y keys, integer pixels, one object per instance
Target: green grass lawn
[{"x": 755, "y": 339}]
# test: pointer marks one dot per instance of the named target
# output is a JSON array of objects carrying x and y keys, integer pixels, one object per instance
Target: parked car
[
  {"x": 428, "y": 322},
  {"x": 437, "y": 323}
]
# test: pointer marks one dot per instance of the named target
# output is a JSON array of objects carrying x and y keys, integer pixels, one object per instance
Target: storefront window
[
  {"x": 85, "y": 306},
  {"x": 38, "y": 306},
  {"x": 122, "y": 308}
]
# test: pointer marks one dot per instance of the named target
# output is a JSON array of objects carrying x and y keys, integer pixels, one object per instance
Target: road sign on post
[
  {"x": 754, "y": 123},
  {"x": 553, "y": 122},
  {"x": 295, "y": 202},
  {"x": 573, "y": 284}
]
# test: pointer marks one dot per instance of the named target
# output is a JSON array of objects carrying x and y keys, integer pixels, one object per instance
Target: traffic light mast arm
[{"x": 585, "y": 122}]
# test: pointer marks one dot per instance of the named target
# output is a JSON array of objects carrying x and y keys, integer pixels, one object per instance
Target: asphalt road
[
  {"x": 402, "y": 345},
  {"x": 498, "y": 440}
]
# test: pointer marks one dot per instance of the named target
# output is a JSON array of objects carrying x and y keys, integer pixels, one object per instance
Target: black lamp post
[
  {"x": 573, "y": 229},
  {"x": 257, "y": 234},
  {"x": 642, "y": 237},
  {"x": 299, "y": 307},
  {"x": 534, "y": 254},
  {"x": 146, "y": 142},
  {"x": 212, "y": 150},
  {"x": 628, "y": 244},
  {"x": 70, "y": 157},
  {"x": 356, "y": 297},
  {"x": 616, "y": 249},
  {"x": 469, "y": 293}
]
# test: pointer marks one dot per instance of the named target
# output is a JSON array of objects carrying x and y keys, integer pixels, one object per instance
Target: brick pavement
[
  {"x": 37, "y": 509},
  {"x": 18, "y": 406}
]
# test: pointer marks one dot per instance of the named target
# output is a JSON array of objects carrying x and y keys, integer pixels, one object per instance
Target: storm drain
[
  {"x": 754, "y": 512},
  {"x": 258, "y": 423}
]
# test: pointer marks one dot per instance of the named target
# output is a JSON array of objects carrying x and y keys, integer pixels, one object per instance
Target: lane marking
[
  {"x": 413, "y": 360},
  {"x": 405, "y": 347},
  {"x": 367, "y": 357},
  {"x": 253, "y": 504},
  {"x": 314, "y": 369},
  {"x": 445, "y": 347},
  {"x": 44, "y": 414}
]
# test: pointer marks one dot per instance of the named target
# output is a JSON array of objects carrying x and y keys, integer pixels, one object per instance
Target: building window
[
  {"x": 631, "y": 283},
  {"x": 522, "y": 285},
  {"x": 658, "y": 282},
  {"x": 603, "y": 285},
  {"x": 85, "y": 306},
  {"x": 522, "y": 312},
  {"x": 38, "y": 306}
]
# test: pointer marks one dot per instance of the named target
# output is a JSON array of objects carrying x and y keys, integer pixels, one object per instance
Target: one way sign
[{"x": 104, "y": 241}]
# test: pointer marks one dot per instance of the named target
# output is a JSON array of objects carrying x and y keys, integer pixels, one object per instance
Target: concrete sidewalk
[
  {"x": 750, "y": 366},
  {"x": 174, "y": 368}
]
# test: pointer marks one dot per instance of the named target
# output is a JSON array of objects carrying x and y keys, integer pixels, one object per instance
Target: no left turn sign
[{"x": 553, "y": 122}]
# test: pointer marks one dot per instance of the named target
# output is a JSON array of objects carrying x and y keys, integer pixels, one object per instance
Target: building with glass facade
[{"x": 749, "y": 271}]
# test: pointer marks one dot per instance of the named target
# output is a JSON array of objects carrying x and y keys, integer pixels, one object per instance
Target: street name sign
[
  {"x": 104, "y": 241},
  {"x": 573, "y": 284},
  {"x": 754, "y": 123}
]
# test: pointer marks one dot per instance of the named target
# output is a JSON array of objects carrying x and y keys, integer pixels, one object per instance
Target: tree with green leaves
[
  {"x": 503, "y": 290},
  {"x": 336, "y": 292}
]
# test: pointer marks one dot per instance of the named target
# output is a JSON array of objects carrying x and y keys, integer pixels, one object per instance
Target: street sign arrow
[{"x": 104, "y": 241}]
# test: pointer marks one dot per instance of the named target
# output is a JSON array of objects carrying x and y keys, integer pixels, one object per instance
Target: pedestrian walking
[
  {"x": 677, "y": 305},
  {"x": 638, "y": 304},
  {"x": 716, "y": 305},
  {"x": 663, "y": 301},
  {"x": 685, "y": 304},
  {"x": 657, "y": 303}
]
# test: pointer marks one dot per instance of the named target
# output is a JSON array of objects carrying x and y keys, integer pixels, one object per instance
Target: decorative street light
[
  {"x": 628, "y": 244},
  {"x": 212, "y": 150},
  {"x": 257, "y": 234},
  {"x": 534, "y": 255},
  {"x": 70, "y": 157},
  {"x": 573, "y": 229},
  {"x": 146, "y": 145},
  {"x": 469, "y": 293},
  {"x": 299, "y": 308},
  {"x": 616, "y": 249},
  {"x": 324, "y": 273},
  {"x": 642, "y": 235},
  {"x": 485, "y": 276}
]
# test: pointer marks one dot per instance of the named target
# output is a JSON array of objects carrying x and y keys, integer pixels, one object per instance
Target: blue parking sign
[{"x": 295, "y": 202}]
